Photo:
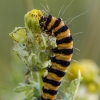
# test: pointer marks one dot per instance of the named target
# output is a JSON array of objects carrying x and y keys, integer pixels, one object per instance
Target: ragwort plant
[{"x": 33, "y": 47}]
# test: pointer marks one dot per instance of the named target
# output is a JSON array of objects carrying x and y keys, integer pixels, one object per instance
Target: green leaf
[{"x": 73, "y": 88}]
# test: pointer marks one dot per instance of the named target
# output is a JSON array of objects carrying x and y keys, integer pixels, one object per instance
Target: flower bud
[{"x": 32, "y": 20}]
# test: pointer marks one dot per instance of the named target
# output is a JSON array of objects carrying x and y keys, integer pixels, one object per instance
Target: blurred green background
[{"x": 12, "y": 15}]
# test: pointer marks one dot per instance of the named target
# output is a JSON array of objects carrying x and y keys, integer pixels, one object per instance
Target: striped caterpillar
[{"x": 62, "y": 55}]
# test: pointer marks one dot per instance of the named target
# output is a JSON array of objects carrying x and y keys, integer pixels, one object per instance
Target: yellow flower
[
  {"x": 93, "y": 87},
  {"x": 88, "y": 68}
]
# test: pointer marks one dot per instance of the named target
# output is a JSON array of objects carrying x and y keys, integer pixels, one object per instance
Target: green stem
[{"x": 39, "y": 76}]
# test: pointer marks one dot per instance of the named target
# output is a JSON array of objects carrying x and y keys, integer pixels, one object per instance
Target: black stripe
[
  {"x": 56, "y": 24},
  {"x": 64, "y": 40},
  {"x": 61, "y": 62},
  {"x": 52, "y": 82},
  {"x": 51, "y": 92},
  {"x": 62, "y": 29},
  {"x": 57, "y": 72},
  {"x": 47, "y": 22},
  {"x": 63, "y": 51},
  {"x": 44, "y": 99}
]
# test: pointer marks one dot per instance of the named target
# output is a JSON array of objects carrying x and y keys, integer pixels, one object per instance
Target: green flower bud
[{"x": 32, "y": 20}]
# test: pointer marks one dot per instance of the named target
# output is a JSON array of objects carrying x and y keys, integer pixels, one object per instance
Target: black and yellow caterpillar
[{"x": 62, "y": 55}]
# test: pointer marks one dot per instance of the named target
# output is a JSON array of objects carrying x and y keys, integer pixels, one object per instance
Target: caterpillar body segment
[{"x": 62, "y": 55}]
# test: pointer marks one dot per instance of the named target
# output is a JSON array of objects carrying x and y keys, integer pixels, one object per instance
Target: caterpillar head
[
  {"x": 32, "y": 20},
  {"x": 42, "y": 22}
]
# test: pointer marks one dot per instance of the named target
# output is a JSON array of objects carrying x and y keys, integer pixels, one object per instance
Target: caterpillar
[{"x": 62, "y": 55}]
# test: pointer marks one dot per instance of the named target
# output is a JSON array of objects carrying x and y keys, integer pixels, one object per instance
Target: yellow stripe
[
  {"x": 65, "y": 45},
  {"x": 59, "y": 67},
  {"x": 63, "y": 57},
  {"x": 49, "y": 86},
  {"x": 63, "y": 34},
  {"x": 48, "y": 96},
  {"x": 53, "y": 19},
  {"x": 54, "y": 77}
]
